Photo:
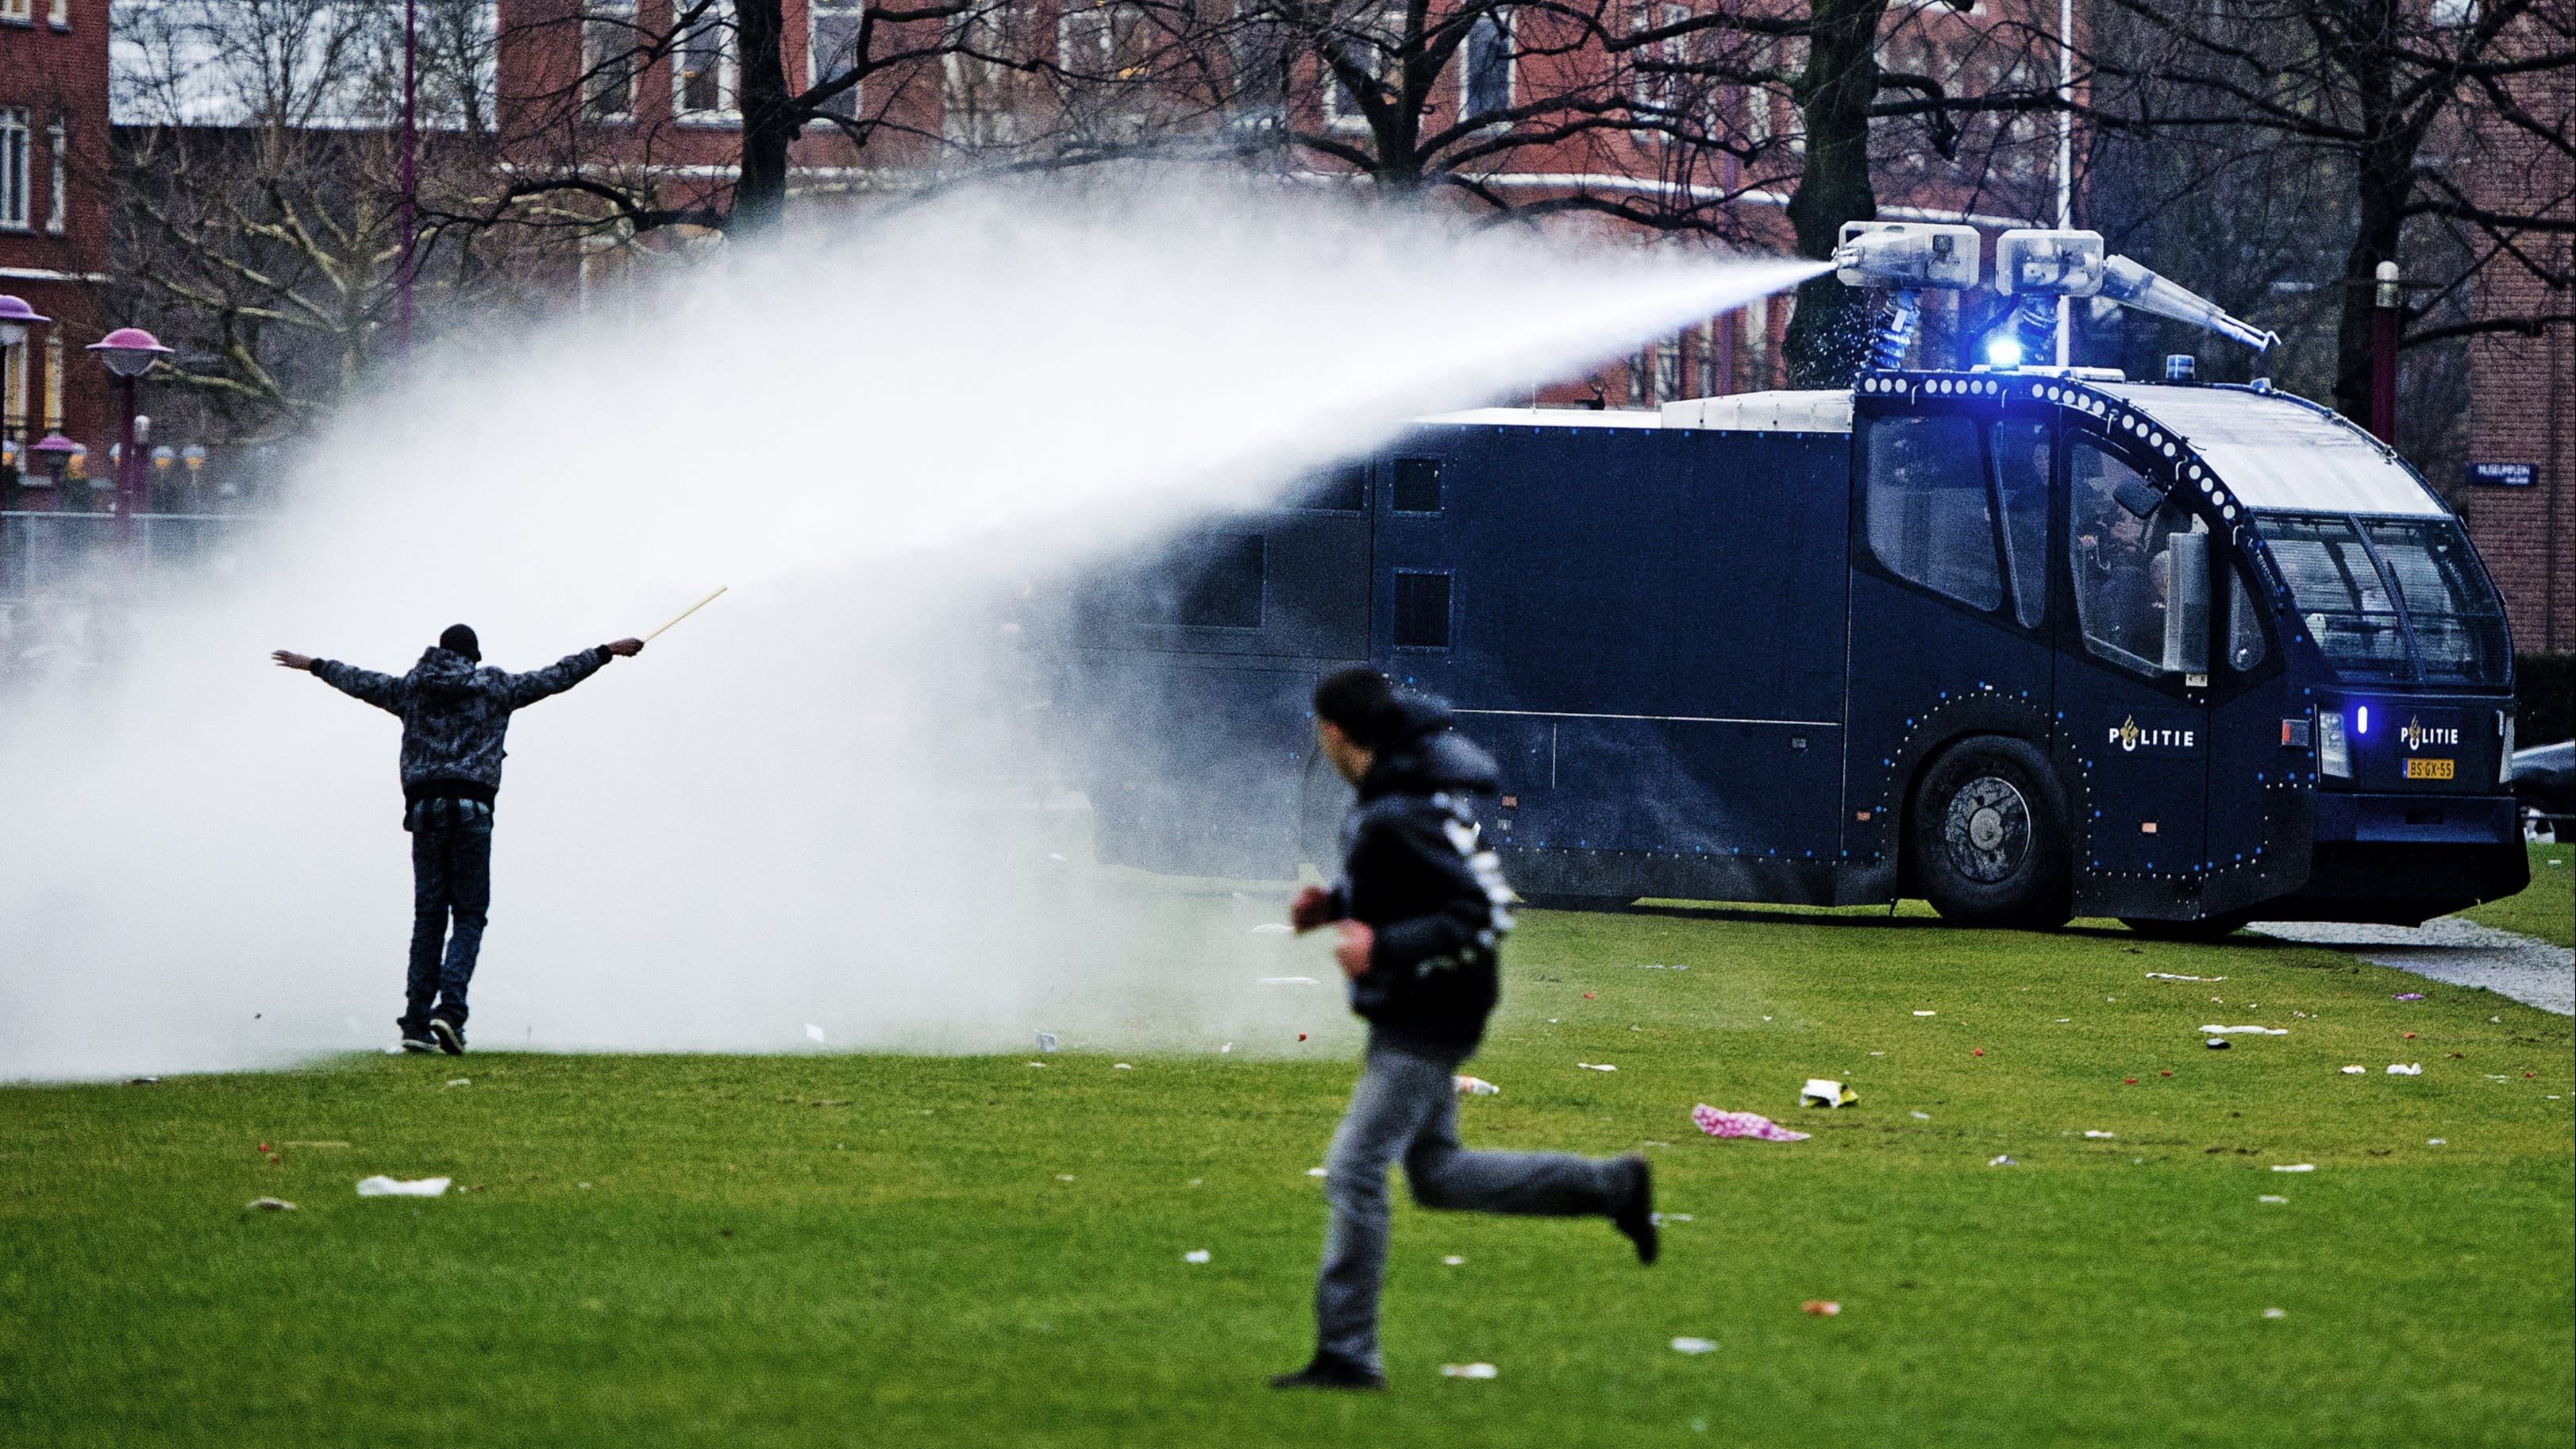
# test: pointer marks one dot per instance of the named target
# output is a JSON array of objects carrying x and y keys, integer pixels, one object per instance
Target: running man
[
  {"x": 454, "y": 715},
  {"x": 1422, "y": 911}
]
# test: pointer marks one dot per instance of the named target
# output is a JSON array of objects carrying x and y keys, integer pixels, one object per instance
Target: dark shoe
[
  {"x": 416, "y": 1041},
  {"x": 1632, "y": 1209},
  {"x": 1331, "y": 1373},
  {"x": 449, "y": 1036}
]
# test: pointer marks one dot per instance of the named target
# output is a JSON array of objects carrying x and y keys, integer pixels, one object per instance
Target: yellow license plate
[{"x": 2428, "y": 769}]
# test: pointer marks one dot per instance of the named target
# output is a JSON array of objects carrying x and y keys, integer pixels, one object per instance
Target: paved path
[{"x": 2460, "y": 952}]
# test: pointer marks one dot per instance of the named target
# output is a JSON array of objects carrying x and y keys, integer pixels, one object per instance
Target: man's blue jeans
[
  {"x": 1405, "y": 1108},
  {"x": 451, "y": 876}
]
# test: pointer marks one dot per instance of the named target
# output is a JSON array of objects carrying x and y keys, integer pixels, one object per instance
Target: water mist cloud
[{"x": 816, "y": 801}]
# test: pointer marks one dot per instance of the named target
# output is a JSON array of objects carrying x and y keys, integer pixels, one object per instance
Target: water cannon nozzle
[
  {"x": 2132, "y": 285},
  {"x": 1908, "y": 256}
]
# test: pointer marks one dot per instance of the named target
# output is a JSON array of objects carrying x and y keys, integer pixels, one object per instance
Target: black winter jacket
[
  {"x": 454, "y": 715},
  {"x": 1415, "y": 869}
]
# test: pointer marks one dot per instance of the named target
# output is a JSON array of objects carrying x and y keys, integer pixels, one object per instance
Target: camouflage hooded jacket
[{"x": 454, "y": 714}]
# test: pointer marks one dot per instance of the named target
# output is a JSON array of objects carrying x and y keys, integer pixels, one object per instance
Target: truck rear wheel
[{"x": 1988, "y": 838}]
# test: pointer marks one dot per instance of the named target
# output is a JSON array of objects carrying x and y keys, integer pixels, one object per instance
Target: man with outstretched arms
[
  {"x": 1421, "y": 909},
  {"x": 454, "y": 716}
]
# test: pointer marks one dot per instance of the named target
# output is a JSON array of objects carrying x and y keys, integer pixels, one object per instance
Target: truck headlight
[{"x": 2334, "y": 757}]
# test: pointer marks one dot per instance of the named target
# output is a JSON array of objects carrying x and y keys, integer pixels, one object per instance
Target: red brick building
[
  {"x": 2521, "y": 499},
  {"x": 53, "y": 213}
]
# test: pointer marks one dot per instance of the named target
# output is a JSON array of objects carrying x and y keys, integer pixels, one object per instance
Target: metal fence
[{"x": 70, "y": 582}]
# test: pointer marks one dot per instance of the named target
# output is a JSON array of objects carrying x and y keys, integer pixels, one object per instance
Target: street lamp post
[
  {"x": 15, "y": 318},
  {"x": 129, "y": 352}
]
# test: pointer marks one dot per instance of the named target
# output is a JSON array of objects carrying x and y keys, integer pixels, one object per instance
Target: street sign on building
[{"x": 2502, "y": 475}]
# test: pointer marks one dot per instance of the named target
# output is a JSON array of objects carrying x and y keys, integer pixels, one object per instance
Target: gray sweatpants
[{"x": 1406, "y": 1107}]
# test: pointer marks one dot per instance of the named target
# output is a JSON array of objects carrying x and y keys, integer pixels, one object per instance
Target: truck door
[{"x": 2138, "y": 728}]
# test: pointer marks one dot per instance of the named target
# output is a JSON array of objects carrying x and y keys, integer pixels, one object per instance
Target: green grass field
[
  {"x": 2547, "y": 908},
  {"x": 911, "y": 1250}
]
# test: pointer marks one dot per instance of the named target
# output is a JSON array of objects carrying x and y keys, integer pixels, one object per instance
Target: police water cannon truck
[{"x": 2028, "y": 642}]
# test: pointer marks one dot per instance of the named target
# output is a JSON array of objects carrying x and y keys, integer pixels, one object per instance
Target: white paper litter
[
  {"x": 2437, "y": 1141},
  {"x": 1195, "y": 1255},
  {"x": 268, "y": 1205},
  {"x": 2355, "y": 1071},
  {"x": 2294, "y": 1167},
  {"x": 1468, "y": 1371},
  {"x": 2169, "y": 976},
  {"x": 1475, "y": 1087},
  {"x": 2405, "y": 1069},
  {"x": 813, "y": 1032},
  {"x": 1926, "y": 1013},
  {"x": 1046, "y": 1041},
  {"x": 2244, "y": 1031},
  {"x": 1121, "y": 1067},
  {"x": 1694, "y": 1345},
  {"x": 381, "y": 1186},
  {"x": 2271, "y": 1197},
  {"x": 460, "y": 1081},
  {"x": 2089, "y": 1132},
  {"x": 1454, "y": 1261},
  {"x": 1920, "y": 1116},
  {"x": 1314, "y": 1172},
  {"x": 1596, "y": 1066},
  {"x": 2005, "y": 1160},
  {"x": 2275, "y": 1313}
]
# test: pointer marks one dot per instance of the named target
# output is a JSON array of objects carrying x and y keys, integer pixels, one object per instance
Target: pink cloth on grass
[{"x": 1741, "y": 1124}]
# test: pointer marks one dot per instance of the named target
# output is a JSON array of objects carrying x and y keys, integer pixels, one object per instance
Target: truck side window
[
  {"x": 1417, "y": 485},
  {"x": 1342, "y": 490},
  {"x": 2245, "y": 645},
  {"x": 2119, "y": 568},
  {"x": 1421, "y": 610},
  {"x": 1221, "y": 586},
  {"x": 2021, "y": 482},
  {"x": 1929, "y": 520}
]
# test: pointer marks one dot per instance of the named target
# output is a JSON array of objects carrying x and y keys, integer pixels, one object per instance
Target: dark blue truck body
[{"x": 1720, "y": 651}]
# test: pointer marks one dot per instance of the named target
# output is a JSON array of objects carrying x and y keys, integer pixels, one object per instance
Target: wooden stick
[{"x": 684, "y": 613}]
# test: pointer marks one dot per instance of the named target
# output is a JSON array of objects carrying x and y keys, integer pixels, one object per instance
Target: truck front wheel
[{"x": 1988, "y": 838}]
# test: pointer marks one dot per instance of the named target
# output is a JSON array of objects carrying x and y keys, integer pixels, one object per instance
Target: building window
[
  {"x": 980, "y": 94},
  {"x": 1421, "y": 611},
  {"x": 833, "y": 48},
  {"x": 16, "y": 10},
  {"x": 13, "y": 163},
  {"x": 609, "y": 42},
  {"x": 702, "y": 80},
  {"x": 1660, "y": 91},
  {"x": 58, "y": 144},
  {"x": 1929, "y": 519},
  {"x": 53, "y": 382},
  {"x": 1486, "y": 87},
  {"x": 1417, "y": 485},
  {"x": 1370, "y": 43},
  {"x": 60, "y": 13}
]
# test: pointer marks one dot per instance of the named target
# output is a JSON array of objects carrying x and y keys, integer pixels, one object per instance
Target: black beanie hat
[{"x": 460, "y": 639}]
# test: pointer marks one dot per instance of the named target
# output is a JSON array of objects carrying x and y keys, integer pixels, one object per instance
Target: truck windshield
[{"x": 2391, "y": 598}]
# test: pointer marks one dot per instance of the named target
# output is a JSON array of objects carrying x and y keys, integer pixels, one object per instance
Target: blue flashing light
[
  {"x": 2361, "y": 720},
  {"x": 2003, "y": 349}
]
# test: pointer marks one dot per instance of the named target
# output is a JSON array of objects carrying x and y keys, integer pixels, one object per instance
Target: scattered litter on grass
[
  {"x": 268, "y": 1205},
  {"x": 1820, "y": 1307},
  {"x": 1596, "y": 1066},
  {"x": 2002, "y": 1160},
  {"x": 1650, "y": 1142},
  {"x": 1694, "y": 1345},
  {"x": 2496, "y": 1020},
  {"x": 2408, "y": 996},
  {"x": 1314, "y": 1172},
  {"x": 2219, "y": 1044},
  {"x": 381, "y": 1186},
  {"x": 2437, "y": 1142},
  {"x": 1064, "y": 1177},
  {"x": 1039, "y": 1065},
  {"x": 1289, "y": 981},
  {"x": 313, "y": 1144},
  {"x": 2275, "y": 1313},
  {"x": 2169, "y": 976},
  {"x": 813, "y": 1032},
  {"x": 1453, "y": 1261},
  {"x": 1660, "y": 966},
  {"x": 1195, "y": 1255},
  {"x": 2294, "y": 1167},
  {"x": 460, "y": 1081},
  {"x": 1121, "y": 1067},
  {"x": 1221, "y": 1051},
  {"x": 2271, "y": 1197},
  {"x": 2061, "y": 1021},
  {"x": 1468, "y": 1371},
  {"x": 1670, "y": 1217},
  {"x": 2405, "y": 1069},
  {"x": 1272, "y": 928},
  {"x": 2410, "y": 1036},
  {"x": 1823, "y": 1092},
  {"x": 2089, "y": 1132},
  {"x": 1475, "y": 1087},
  {"x": 1981, "y": 1051},
  {"x": 2244, "y": 1031},
  {"x": 1741, "y": 1124},
  {"x": 1927, "y": 1013},
  {"x": 1922, "y": 1116},
  {"x": 1046, "y": 1041},
  {"x": 2355, "y": 1070}
]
